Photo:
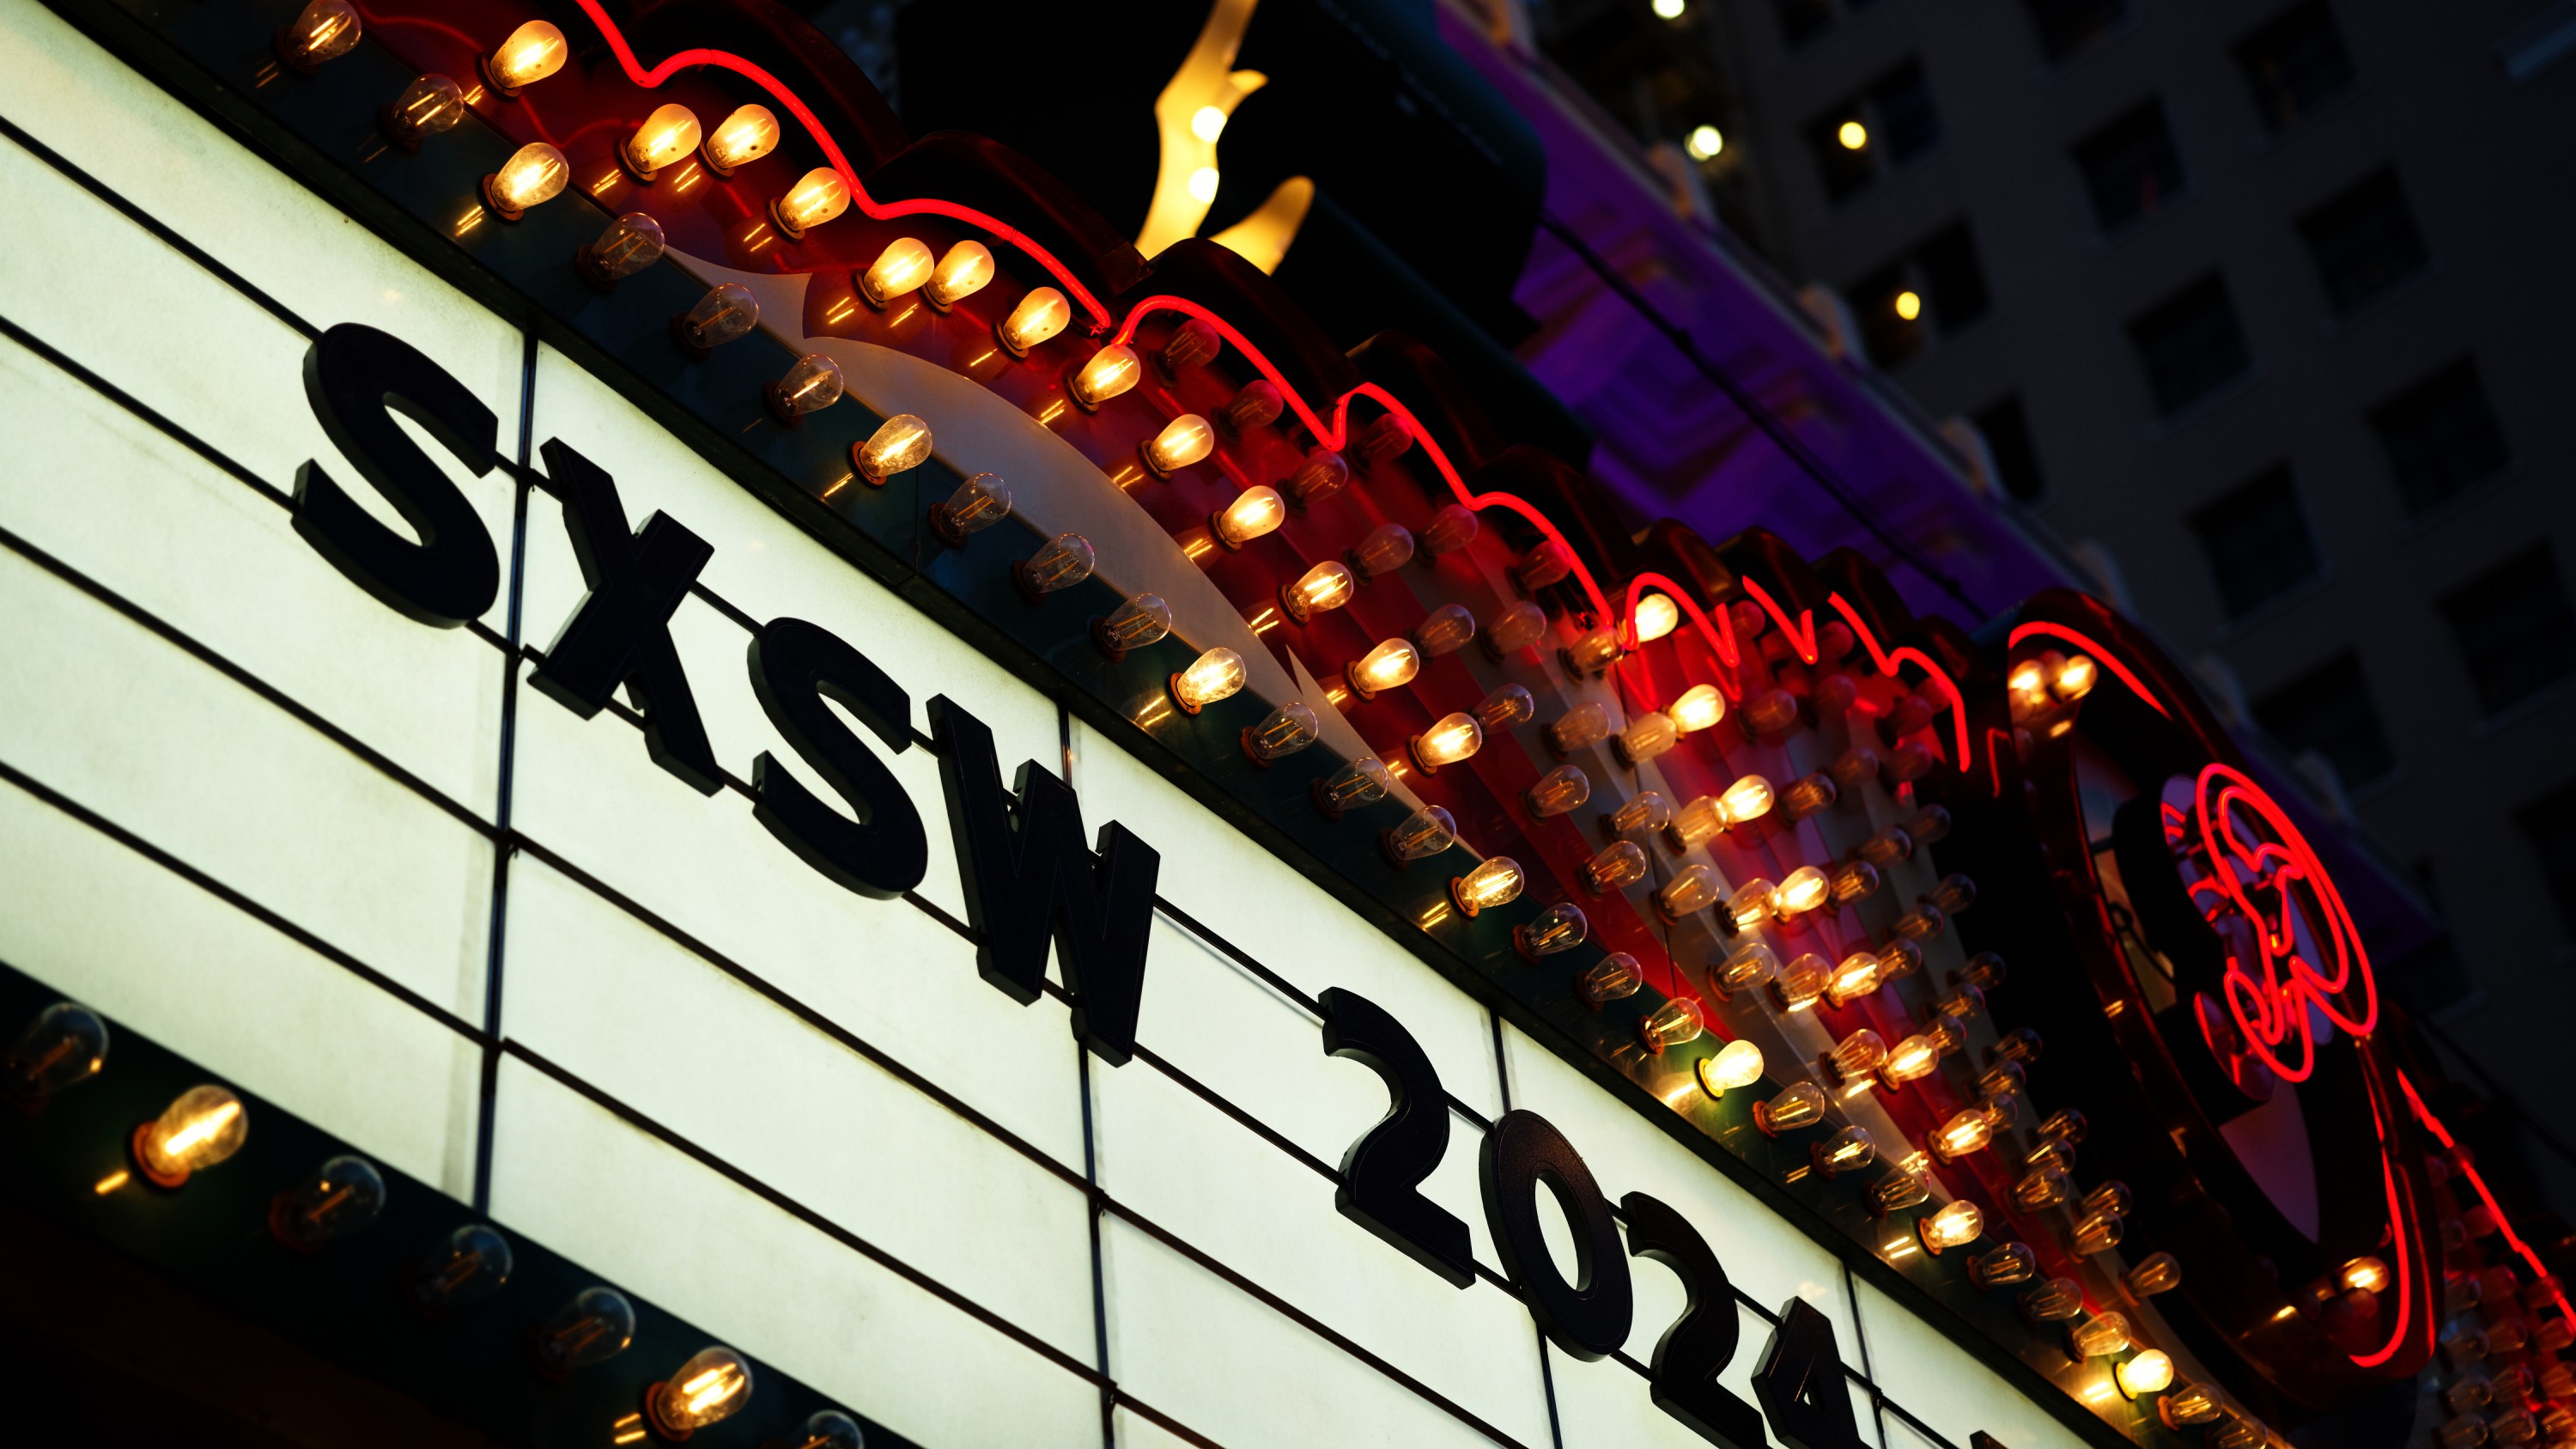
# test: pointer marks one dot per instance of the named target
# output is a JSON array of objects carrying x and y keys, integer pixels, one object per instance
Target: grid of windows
[
  {"x": 2514, "y": 627},
  {"x": 2130, "y": 165},
  {"x": 2328, "y": 710},
  {"x": 2007, "y": 430},
  {"x": 2296, "y": 63},
  {"x": 2441, "y": 436},
  {"x": 2257, "y": 539},
  {"x": 2364, "y": 240},
  {"x": 1936, "y": 288},
  {"x": 2190, "y": 344},
  {"x": 2064, "y": 26},
  {"x": 1887, "y": 126},
  {"x": 2549, "y": 824}
]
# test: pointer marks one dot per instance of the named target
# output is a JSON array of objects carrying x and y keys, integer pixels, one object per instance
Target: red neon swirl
[
  {"x": 2273, "y": 882},
  {"x": 2107, "y": 659},
  {"x": 2504, "y": 1225}
]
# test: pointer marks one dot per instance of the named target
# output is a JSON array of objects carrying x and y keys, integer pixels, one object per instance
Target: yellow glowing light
[
  {"x": 535, "y": 173},
  {"x": 533, "y": 52},
  {"x": 1040, "y": 315},
  {"x": 1111, "y": 371},
  {"x": 112, "y": 1182},
  {"x": 1657, "y": 616},
  {"x": 960, "y": 274},
  {"x": 1967, "y": 1132},
  {"x": 1699, "y": 707},
  {"x": 711, "y": 1386},
  {"x": 1203, "y": 184},
  {"x": 1495, "y": 882},
  {"x": 1390, "y": 665},
  {"x": 1328, "y": 585},
  {"x": 1911, "y": 1059},
  {"x": 203, "y": 1127},
  {"x": 750, "y": 133},
  {"x": 817, "y": 197},
  {"x": 324, "y": 30},
  {"x": 1748, "y": 799},
  {"x": 1852, "y": 134},
  {"x": 1737, "y": 1064},
  {"x": 2149, "y": 1372},
  {"x": 1909, "y": 305},
  {"x": 1704, "y": 141},
  {"x": 1189, "y": 439},
  {"x": 1954, "y": 1226},
  {"x": 1214, "y": 675},
  {"x": 1258, "y": 510},
  {"x": 1804, "y": 890},
  {"x": 1208, "y": 123},
  {"x": 2367, "y": 1274},
  {"x": 2074, "y": 678},
  {"x": 1668, "y": 9},
  {"x": 1454, "y": 737},
  {"x": 670, "y": 133},
  {"x": 904, "y": 265},
  {"x": 900, "y": 442}
]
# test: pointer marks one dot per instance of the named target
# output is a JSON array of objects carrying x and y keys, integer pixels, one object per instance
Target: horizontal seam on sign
[
  {"x": 132, "y": 404},
  {"x": 1120, "y": 1398},
  {"x": 239, "y": 901},
  {"x": 1911, "y": 1422}
]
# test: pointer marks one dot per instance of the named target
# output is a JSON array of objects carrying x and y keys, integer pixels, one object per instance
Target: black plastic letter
[
  {"x": 1702, "y": 1342},
  {"x": 1382, "y": 1172},
  {"x": 356, "y": 379},
  {"x": 1036, "y": 879},
  {"x": 1589, "y": 1317},
  {"x": 795, "y": 667},
  {"x": 1801, "y": 1385},
  {"x": 621, "y": 631}
]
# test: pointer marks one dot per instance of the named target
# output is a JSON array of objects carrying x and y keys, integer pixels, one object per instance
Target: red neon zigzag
[
  {"x": 2504, "y": 1224},
  {"x": 2109, "y": 660}
]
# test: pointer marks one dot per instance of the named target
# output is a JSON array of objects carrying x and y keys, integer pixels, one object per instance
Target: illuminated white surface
[{"x": 1940, "y": 1383}]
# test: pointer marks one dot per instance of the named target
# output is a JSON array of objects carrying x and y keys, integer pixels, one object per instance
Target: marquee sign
[{"x": 1972, "y": 970}]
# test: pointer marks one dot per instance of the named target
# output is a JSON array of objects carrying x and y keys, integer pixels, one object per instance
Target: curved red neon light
[
  {"x": 2539, "y": 1270},
  {"x": 2041, "y": 628},
  {"x": 1888, "y": 660},
  {"x": 1720, "y": 636}
]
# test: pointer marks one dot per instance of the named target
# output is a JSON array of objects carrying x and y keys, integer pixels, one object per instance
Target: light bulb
[
  {"x": 63, "y": 1047},
  {"x": 1770, "y": 715},
  {"x": 631, "y": 243},
  {"x": 725, "y": 313},
  {"x": 2041, "y": 1188},
  {"x": 470, "y": 1266},
  {"x": 1361, "y": 782},
  {"x": 2004, "y": 1265},
  {"x": 1801, "y": 1105},
  {"x": 1671, "y": 1024},
  {"x": 1142, "y": 620},
  {"x": 1109, "y": 372},
  {"x": 826, "y": 1429},
  {"x": 323, "y": 31},
  {"x": 1647, "y": 737},
  {"x": 2054, "y": 1301},
  {"x": 1589, "y": 654},
  {"x": 1203, "y": 184},
  {"x": 1801, "y": 983},
  {"x": 1657, "y": 615},
  {"x": 966, "y": 269},
  {"x": 1891, "y": 846},
  {"x": 202, "y": 1127},
  {"x": 1213, "y": 676},
  {"x": 2073, "y": 679},
  {"x": 2186, "y": 1405},
  {"x": 750, "y": 133},
  {"x": 1857, "y": 1056},
  {"x": 1615, "y": 868},
  {"x": 2367, "y": 1274},
  {"x": 1612, "y": 978},
  {"x": 1856, "y": 977},
  {"x": 1558, "y": 791},
  {"x": 1846, "y": 1151},
  {"x": 900, "y": 442},
  {"x": 594, "y": 1327},
  {"x": 1806, "y": 796},
  {"x": 980, "y": 502},
  {"x": 2112, "y": 1197},
  {"x": 1391, "y": 665},
  {"x": 2021, "y": 1044},
  {"x": 1039, "y": 316},
  {"x": 1898, "y": 1191},
  {"x": 1385, "y": 438},
  {"x": 1515, "y": 628},
  {"x": 1910, "y": 1060},
  {"x": 1698, "y": 707},
  {"x": 817, "y": 197},
  {"x": 667, "y": 135},
  {"x": 2100, "y": 1334},
  {"x": 1255, "y": 403},
  {"x": 2155, "y": 1273},
  {"x": 903, "y": 266},
  {"x": 1561, "y": 927},
  {"x": 712, "y": 1386},
  {"x": 1255, "y": 511},
  {"x": 1804, "y": 890},
  {"x": 1645, "y": 810},
  {"x": 533, "y": 175},
  {"x": 1445, "y": 630},
  {"x": 1425, "y": 833},
  {"x": 1494, "y": 882},
  {"x": 1193, "y": 344},
  {"x": 1509, "y": 705},
  {"x": 1747, "y": 967},
  {"x": 1966, "y": 1003},
  {"x": 1854, "y": 881},
  {"x": 1956, "y": 1225},
  {"x": 1060, "y": 563},
  {"x": 1967, "y": 1131},
  {"x": 533, "y": 52},
  {"x": 340, "y": 1197},
  {"x": 1546, "y": 563},
  {"x": 1747, "y": 800},
  {"x": 1319, "y": 477},
  {"x": 1578, "y": 728},
  {"x": 1929, "y": 826},
  {"x": 1692, "y": 888},
  {"x": 1696, "y": 823},
  {"x": 1450, "y": 529},
  {"x": 1282, "y": 732},
  {"x": 813, "y": 383},
  {"x": 2098, "y": 1233},
  {"x": 1387, "y": 548},
  {"x": 1737, "y": 1064},
  {"x": 1984, "y": 971},
  {"x": 1954, "y": 894},
  {"x": 431, "y": 104},
  {"x": 1328, "y": 585},
  {"x": 1748, "y": 906},
  {"x": 1453, "y": 737}
]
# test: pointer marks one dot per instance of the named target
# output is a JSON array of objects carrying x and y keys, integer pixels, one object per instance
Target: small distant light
[
  {"x": 1208, "y": 124},
  {"x": 1909, "y": 305},
  {"x": 1203, "y": 185},
  {"x": 1704, "y": 141},
  {"x": 1853, "y": 135},
  {"x": 1670, "y": 10}
]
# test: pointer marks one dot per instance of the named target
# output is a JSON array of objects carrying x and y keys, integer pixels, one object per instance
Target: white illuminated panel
[{"x": 1941, "y": 1384}]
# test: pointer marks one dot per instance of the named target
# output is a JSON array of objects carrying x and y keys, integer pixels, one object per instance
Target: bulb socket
[
  {"x": 492, "y": 201},
  {"x": 492, "y": 79},
  {"x": 778, "y": 219},
  {"x": 137, "y": 1148}
]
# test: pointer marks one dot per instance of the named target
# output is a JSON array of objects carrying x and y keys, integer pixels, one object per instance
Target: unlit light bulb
[
  {"x": 1692, "y": 888},
  {"x": 667, "y": 135},
  {"x": 340, "y": 1197},
  {"x": 1585, "y": 725},
  {"x": 1449, "y": 530},
  {"x": 1445, "y": 630},
  {"x": 979, "y": 502},
  {"x": 1142, "y": 620},
  {"x": 1645, "y": 810},
  {"x": 1846, "y": 1151},
  {"x": 900, "y": 442},
  {"x": 1425, "y": 833},
  {"x": 1361, "y": 782},
  {"x": 202, "y": 1127},
  {"x": 1283, "y": 732},
  {"x": 1801, "y": 1105},
  {"x": 63, "y": 1047},
  {"x": 1858, "y": 1056},
  {"x": 961, "y": 273},
  {"x": 1748, "y": 966},
  {"x": 1039, "y": 316},
  {"x": 533, "y": 52},
  {"x": 1675, "y": 1022},
  {"x": 1561, "y": 927},
  {"x": 431, "y": 104},
  {"x": 1319, "y": 477},
  {"x": 1558, "y": 791},
  {"x": 534, "y": 175},
  {"x": 1189, "y": 439},
  {"x": 817, "y": 197},
  {"x": 1328, "y": 585},
  {"x": 1214, "y": 675},
  {"x": 594, "y": 1327},
  {"x": 1387, "y": 548},
  {"x": 1737, "y": 1064},
  {"x": 1615, "y": 868},
  {"x": 1110, "y": 371},
  {"x": 1647, "y": 737},
  {"x": 323, "y": 31},
  {"x": 631, "y": 243},
  {"x": 1060, "y": 563},
  {"x": 2102, "y": 1333},
  {"x": 1612, "y": 978},
  {"x": 750, "y": 133},
  {"x": 712, "y": 1386},
  {"x": 1452, "y": 738},
  {"x": 812, "y": 384},
  {"x": 1517, "y": 627},
  {"x": 472, "y": 1265},
  {"x": 903, "y": 266},
  {"x": 1495, "y": 882},
  {"x": 725, "y": 313}
]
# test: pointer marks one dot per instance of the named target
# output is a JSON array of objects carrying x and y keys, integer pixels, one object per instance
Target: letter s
[{"x": 795, "y": 666}]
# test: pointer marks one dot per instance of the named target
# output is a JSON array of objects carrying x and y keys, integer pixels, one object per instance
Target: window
[
  {"x": 2066, "y": 25},
  {"x": 2007, "y": 432},
  {"x": 2364, "y": 241},
  {"x": 2514, "y": 628},
  {"x": 1935, "y": 289},
  {"x": 2296, "y": 63},
  {"x": 1907, "y": 124},
  {"x": 1887, "y": 126},
  {"x": 2258, "y": 542},
  {"x": 2190, "y": 345},
  {"x": 2440, "y": 436},
  {"x": 2130, "y": 166},
  {"x": 2328, "y": 710},
  {"x": 2549, "y": 823}
]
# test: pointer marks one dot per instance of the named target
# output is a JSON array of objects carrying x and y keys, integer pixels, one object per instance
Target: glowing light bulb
[
  {"x": 323, "y": 31},
  {"x": 1804, "y": 890},
  {"x": 1257, "y": 510},
  {"x": 1612, "y": 978},
  {"x": 1747, "y": 967},
  {"x": 2111, "y": 1197},
  {"x": 966, "y": 269},
  {"x": 594, "y": 1327},
  {"x": 902, "y": 267},
  {"x": 2156, "y": 1273},
  {"x": 1387, "y": 548},
  {"x": 2098, "y": 1233},
  {"x": 2001, "y": 1266},
  {"x": 2186, "y": 1405},
  {"x": 1361, "y": 782},
  {"x": 980, "y": 502},
  {"x": 1207, "y": 123},
  {"x": 1391, "y": 665},
  {"x": 1736, "y": 1064},
  {"x": 1584, "y": 725},
  {"x": 1039, "y": 316},
  {"x": 1671, "y": 1024},
  {"x": 2054, "y": 1301},
  {"x": 2068, "y": 1126},
  {"x": 1202, "y": 184},
  {"x": 1857, "y": 1056},
  {"x": 1898, "y": 1191},
  {"x": 1967, "y": 1131},
  {"x": 1910, "y": 1060},
  {"x": 1846, "y": 1151},
  {"x": 533, "y": 52},
  {"x": 724, "y": 314},
  {"x": 812, "y": 384},
  {"x": 1591, "y": 653},
  {"x": 1647, "y": 737},
  {"x": 1282, "y": 732},
  {"x": 1856, "y": 977},
  {"x": 1110, "y": 371},
  {"x": 1424, "y": 834},
  {"x": 750, "y": 133},
  {"x": 1195, "y": 343},
  {"x": 631, "y": 243},
  {"x": 470, "y": 1266},
  {"x": 712, "y": 1386},
  {"x": 1801, "y": 1105},
  {"x": 1956, "y": 1225},
  {"x": 1561, "y": 927},
  {"x": 1255, "y": 403},
  {"x": 340, "y": 1197},
  {"x": 2040, "y": 1188},
  {"x": 1328, "y": 585},
  {"x": 1704, "y": 142},
  {"x": 63, "y": 1047},
  {"x": 1615, "y": 868},
  {"x": 1445, "y": 630},
  {"x": 1698, "y": 707},
  {"x": 1696, "y": 822},
  {"x": 201, "y": 1128},
  {"x": 1142, "y": 620},
  {"x": 1852, "y": 134},
  {"x": 1319, "y": 477},
  {"x": 1558, "y": 791},
  {"x": 1808, "y": 795},
  {"x": 2073, "y": 679},
  {"x": 1517, "y": 627},
  {"x": 1060, "y": 563},
  {"x": 2103, "y": 1333},
  {"x": 1645, "y": 810},
  {"x": 1692, "y": 888},
  {"x": 534, "y": 175},
  {"x": 1748, "y": 907},
  {"x": 1494, "y": 882},
  {"x": 2367, "y": 1274},
  {"x": 1213, "y": 676},
  {"x": 431, "y": 104},
  {"x": 1452, "y": 738},
  {"x": 818, "y": 196},
  {"x": 1507, "y": 706},
  {"x": 900, "y": 442},
  {"x": 667, "y": 135},
  {"x": 1449, "y": 530},
  {"x": 1909, "y": 305},
  {"x": 1747, "y": 800}
]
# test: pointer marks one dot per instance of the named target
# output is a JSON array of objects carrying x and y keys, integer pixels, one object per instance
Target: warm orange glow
[
  {"x": 1111, "y": 371},
  {"x": 1955, "y": 1226},
  {"x": 1748, "y": 799},
  {"x": 1390, "y": 665},
  {"x": 900, "y": 442},
  {"x": 1737, "y": 1064},
  {"x": 903, "y": 266},
  {"x": 533, "y": 52},
  {"x": 1040, "y": 315},
  {"x": 1214, "y": 675},
  {"x": 817, "y": 197},
  {"x": 750, "y": 133},
  {"x": 1495, "y": 882},
  {"x": 536, "y": 173},
  {"x": 1699, "y": 707},
  {"x": 1657, "y": 615},
  {"x": 1452, "y": 738},
  {"x": 962, "y": 273},
  {"x": 1189, "y": 439},
  {"x": 670, "y": 133},
  {"x": 1326, "y": 586}
]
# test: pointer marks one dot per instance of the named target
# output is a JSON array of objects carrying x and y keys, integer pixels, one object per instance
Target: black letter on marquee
[
  {"x": 1801, "y": 1383},
  {"x": 356, "y": 377},
  {"x": 1589, "y": 1317},
  {"x": 1703, "y": 1340},
  {"x": 621, "y": 631},
  {"x": 1025, "y": 883},
  {"x": 795, "y": 666},
  {"x": 1383, "y": 1169}
]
